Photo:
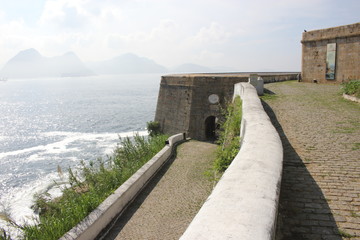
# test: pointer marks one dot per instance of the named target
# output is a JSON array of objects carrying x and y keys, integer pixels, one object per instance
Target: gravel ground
[
  {"x": 320, "y": 131},
  {"x": 171, "y": 200}
]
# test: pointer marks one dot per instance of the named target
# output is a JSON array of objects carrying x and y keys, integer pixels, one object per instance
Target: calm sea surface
[{"x": 46, "y": 123}]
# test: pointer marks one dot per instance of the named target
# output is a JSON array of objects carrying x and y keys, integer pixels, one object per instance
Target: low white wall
[
  {"x": 98, "y": 219},
  {"x": 243, "y": 205},
  {"x": 351, "y": 98}
]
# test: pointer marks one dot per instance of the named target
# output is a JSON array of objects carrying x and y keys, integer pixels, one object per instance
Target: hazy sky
[{"x": 251, "y": 35}]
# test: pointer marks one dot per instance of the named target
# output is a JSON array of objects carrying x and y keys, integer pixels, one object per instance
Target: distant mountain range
[
  {"x": 191, "y": 68},
  {"x": 31, "y": 64},
  {"x": 127, "y": 63}
]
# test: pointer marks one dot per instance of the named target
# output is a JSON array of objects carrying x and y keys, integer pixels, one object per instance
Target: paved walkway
[
  {"x": 320, "y": 191},
  {"x": 169, "y": 203}
]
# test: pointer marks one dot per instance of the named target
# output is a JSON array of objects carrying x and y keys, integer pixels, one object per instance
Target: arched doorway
[{"x": 210, "y": 128}]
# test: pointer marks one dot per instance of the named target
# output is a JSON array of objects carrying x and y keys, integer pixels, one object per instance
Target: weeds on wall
[
  {"x": 89, "y": 187},
  {"x": 229, "y": 137},
  {"x": 351, "y": 88}
]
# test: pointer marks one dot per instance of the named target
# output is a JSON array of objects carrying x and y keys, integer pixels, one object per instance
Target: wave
[
  {"x": 33, "y": 170},
  {"x": 17, "y": 202},
  {"x": 71, "y": 141}
]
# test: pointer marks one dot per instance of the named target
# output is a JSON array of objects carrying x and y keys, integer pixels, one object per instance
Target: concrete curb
[
  {"x": 351, "y": 98},
  {"x": 116, "y": 203},
  {"x": 244, "y": 203}
]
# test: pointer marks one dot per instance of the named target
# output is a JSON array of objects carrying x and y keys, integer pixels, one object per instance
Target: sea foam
[{"x": 17, "y": 199}]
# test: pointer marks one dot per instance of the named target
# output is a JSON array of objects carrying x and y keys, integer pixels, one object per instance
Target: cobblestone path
[
  {"x": 320, "y": 191},
  {"x": 171, "y": 200}
]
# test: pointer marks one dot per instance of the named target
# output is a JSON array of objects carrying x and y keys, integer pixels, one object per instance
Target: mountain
[
  {"x": 224, "y": 69},
  {"x": 127, "y": 63},
  {"x": 31, "y": 64},
  {"x": 191, "y": 68},
  {"x": 70, "y": 65}
]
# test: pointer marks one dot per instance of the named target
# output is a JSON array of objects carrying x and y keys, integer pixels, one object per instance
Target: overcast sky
[{"x": 247, "y": 35}]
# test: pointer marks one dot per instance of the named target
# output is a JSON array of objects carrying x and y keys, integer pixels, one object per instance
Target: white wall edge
[
  {"x": 351, "y": 98},
  {"x": 116, "y": 203},
  {"x": 244, "y": 203}
]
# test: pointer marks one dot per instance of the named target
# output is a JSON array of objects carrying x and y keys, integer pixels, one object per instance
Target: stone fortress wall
[
  {"x": 347, "y": 54},
  {"x": 192, "y": 103}
]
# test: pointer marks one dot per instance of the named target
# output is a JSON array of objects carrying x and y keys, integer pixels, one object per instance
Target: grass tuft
[
  {"x": 345, "y": 234},
  {"x": 268, "y": 95}
]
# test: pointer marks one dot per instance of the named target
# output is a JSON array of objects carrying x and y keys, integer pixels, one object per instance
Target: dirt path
[
  {"x": 169, "y": 203},
  {"x": 320, "y": 191}
]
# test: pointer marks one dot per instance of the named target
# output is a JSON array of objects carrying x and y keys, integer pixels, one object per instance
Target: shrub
[
  {"x": 352, "y": 88},
  {"x": 153, "y": 128}
]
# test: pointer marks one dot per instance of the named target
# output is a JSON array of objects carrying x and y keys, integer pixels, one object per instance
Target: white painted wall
[{"x": 244, "y": 203}]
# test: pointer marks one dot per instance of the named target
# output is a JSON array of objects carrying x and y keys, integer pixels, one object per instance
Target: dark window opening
[{"x": 210, "y": 128}]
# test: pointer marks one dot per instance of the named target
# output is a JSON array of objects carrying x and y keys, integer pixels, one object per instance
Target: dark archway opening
[{"x": 210, "y": 128}]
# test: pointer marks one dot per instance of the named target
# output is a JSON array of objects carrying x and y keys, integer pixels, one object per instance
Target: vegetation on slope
[
  {"x": 229, "y": 139},
  {"x": 88, "y": 188}
]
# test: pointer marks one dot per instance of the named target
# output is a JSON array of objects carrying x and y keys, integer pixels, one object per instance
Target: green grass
[
  {"x": 356, "y": 146},
  {"x": 229, "y": 140},
  {"x": 98, "y": 180},
  {"x": 347, "y": 127},
  {"x": 268, "y": 95},
  {"x": 345, "y": 234}
]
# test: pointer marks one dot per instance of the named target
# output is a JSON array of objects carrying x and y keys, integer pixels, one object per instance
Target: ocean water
[{"x": 46, "y": 123}]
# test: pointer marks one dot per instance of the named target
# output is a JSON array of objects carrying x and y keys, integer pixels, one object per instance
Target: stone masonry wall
[
  {"x": 183, "y": 103},
  {"x": 174, "y": 104},
  {"x": 201, "y": 108},
  {"x": 314, "y": 50}
]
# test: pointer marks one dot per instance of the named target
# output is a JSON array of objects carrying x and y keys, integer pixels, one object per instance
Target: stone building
[{"x": 331, "y": 55}]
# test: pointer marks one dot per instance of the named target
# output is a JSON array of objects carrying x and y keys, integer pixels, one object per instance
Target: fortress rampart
[{"x": 192, "y": 103}]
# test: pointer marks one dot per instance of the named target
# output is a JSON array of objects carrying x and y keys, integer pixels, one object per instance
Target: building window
[{"x": 330, "y": 61}]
